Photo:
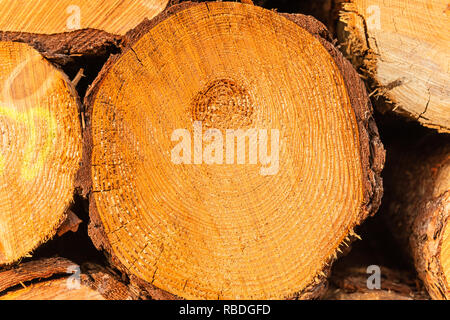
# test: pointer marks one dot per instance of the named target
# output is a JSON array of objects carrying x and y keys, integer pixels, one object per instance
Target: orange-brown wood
[
  {"x": 403, "y": 47},
  {"x": 40, "y": 149},
  {"x": 218, "y": 230}
]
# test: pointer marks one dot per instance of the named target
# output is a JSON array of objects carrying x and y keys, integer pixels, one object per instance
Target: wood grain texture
[
  {"x": 40, "y": 150},
  {"x": 403, "y": 46},
  {"x": 225, "y": 231},
  {"x": 49, "y": 17},
  {"x": 29, "y": 271}
]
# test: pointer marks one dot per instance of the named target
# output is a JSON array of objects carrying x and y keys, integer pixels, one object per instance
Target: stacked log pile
[{"x": 220, "y": 150}]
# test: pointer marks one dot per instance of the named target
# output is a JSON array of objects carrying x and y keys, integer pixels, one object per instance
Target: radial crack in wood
[
  {"x": 60, "y": 279},
  {"x": 403, "y": 46},
  {"x": 202, "y": 228},
  {"x": 49, "y": 16}
]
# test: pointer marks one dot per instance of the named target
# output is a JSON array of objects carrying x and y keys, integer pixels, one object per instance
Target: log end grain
[
  {"x": 209, "y": 230},
  {"x": 418, "y": 208},
  {"x": 50, "y": 17},
  {"x": 40, "y": 152},
  {"x": 402, "y": 47}
]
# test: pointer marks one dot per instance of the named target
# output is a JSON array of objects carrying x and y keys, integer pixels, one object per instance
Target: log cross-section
[
  {"x": 403, "y": 47},
  {"x": 173, "y": 207},
  {"x": 49, "y": 16},
  {"x": 40, "y": 149}
]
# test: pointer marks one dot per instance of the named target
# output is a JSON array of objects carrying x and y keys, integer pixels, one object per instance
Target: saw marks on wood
[
  {"x": 409, "y": 55},
  {"x": 40, "y": 149},
  {"x": 225, "y": 230},
  {"x": 49, "y": 16}
]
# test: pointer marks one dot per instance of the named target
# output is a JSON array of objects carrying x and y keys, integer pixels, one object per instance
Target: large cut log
[
  {"x": 60, "y": 279},
  {"x": 403, "y": 47},
  {"x": 207, "y": 223},
  {"x": 418, "y": 209},
  {"x": 40, "y": 149},
  {"x": 49, "y": 16}
]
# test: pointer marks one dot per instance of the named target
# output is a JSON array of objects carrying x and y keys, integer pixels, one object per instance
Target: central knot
[{"x": 223, "y": 104}]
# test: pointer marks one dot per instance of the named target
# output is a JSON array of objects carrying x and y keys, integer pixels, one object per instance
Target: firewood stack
[{"x": 160, "y": 149}]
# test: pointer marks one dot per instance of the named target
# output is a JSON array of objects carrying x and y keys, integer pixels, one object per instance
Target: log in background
[{"x": 379, "y": 245}]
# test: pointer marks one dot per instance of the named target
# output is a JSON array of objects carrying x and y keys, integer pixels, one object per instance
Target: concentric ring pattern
[
  {"x": 224, "y": 230},
  {"x": 40, "y": 149}
]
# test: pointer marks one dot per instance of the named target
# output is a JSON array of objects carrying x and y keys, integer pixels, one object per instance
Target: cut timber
[
  {"x": 404, "y": 47},
  {"x": 40, "y": 149},
  {"x": 418, "y": 209},
  {"x": 60, "y": 279},
  {"x": 55, "y": 289},
  {"x": 49, "y": 16},
  {"x": 41, "y": 269},
  {"x": 351, "y": 284},
  {"x": 229, "y": 230}
]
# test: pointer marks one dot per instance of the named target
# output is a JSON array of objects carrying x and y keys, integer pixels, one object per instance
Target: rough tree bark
[
  {"x": 220, "y": 230},
  {"x": 60, "y": 279},
  {"x": 418, "y": 208},
  {"x": 403, "y": 47},
  {"x": 40, "y": 152}
]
